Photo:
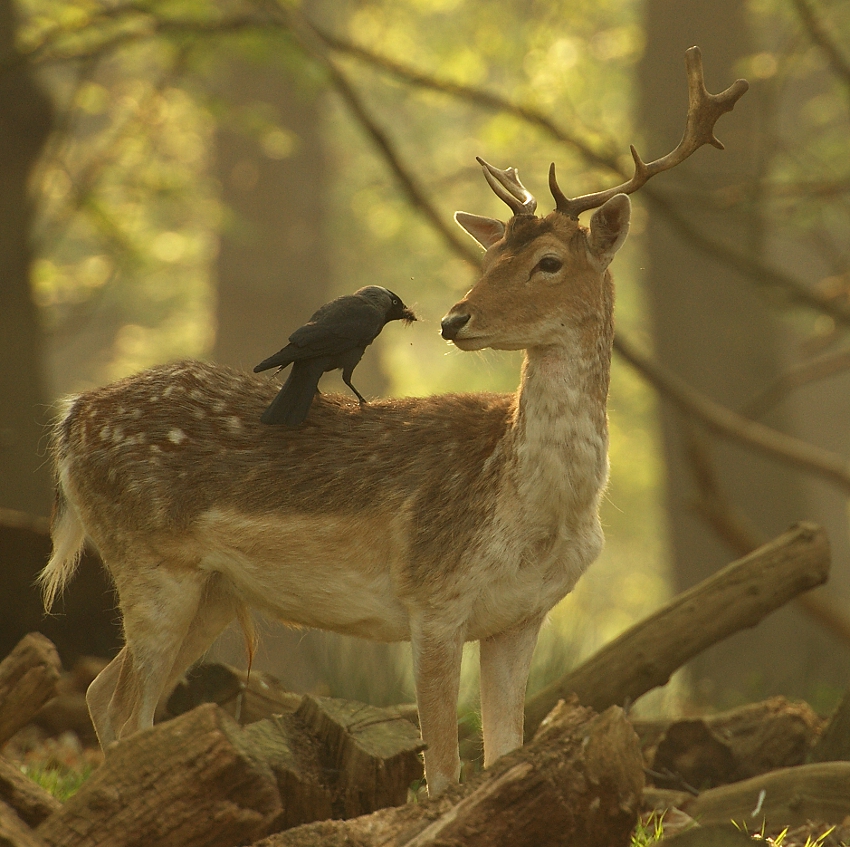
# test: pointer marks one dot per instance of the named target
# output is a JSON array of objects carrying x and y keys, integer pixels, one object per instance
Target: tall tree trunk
[
  {"x": 273, "y": 272},
  {"x": 25, "y": 122},
  {"x": 713, "y": 329}
]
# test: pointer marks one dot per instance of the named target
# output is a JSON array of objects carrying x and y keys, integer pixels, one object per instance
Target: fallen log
[
  {"x": 738, "y": 596},
  {"x": 28, "y": 677},
  {"x": 190, "y": 782},
  {"x": 730, "y": 746},
  {"x": 578, "y": 782},
  {"x": 780, "y": 798}
]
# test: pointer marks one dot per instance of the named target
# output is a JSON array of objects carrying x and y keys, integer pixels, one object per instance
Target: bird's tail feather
[{"x": 292, "y": 403}]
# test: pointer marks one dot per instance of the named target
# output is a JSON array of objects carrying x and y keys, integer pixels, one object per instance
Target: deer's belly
[{"x": 326, "y": 574}]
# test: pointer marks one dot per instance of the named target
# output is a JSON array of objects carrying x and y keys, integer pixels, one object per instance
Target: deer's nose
[{"x": 451, "y": 325}]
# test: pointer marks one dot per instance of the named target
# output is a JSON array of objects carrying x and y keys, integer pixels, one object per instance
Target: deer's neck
[{"x": 558, "y": 444}]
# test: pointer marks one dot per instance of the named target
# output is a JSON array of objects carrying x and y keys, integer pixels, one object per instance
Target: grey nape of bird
[{"x": 336, "y": 336}]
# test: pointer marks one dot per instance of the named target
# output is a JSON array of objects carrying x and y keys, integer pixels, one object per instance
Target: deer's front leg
[
  {"x": 436, "y": 668},
  {"x": 505, "y": 661}
]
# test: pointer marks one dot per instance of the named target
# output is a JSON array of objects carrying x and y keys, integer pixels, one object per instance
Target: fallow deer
[{"x": 440, "y": 519}]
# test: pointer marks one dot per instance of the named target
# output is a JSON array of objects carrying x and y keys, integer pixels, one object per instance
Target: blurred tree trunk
[
  {"x": 715, "y": 330},
  {"x": 25, "y": 122},
  {"x": 273, "y": 272},
  {"x": 273, "y": 269}
]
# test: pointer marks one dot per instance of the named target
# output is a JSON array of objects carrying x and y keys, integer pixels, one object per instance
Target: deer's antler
[
  {"x": 507, "y": 187},
  {"x": 703, "y": 111}
]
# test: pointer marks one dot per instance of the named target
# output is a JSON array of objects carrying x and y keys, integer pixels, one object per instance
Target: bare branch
[
  {"x": 805, "y": 373},
  {"x": 735, "y": 427}
]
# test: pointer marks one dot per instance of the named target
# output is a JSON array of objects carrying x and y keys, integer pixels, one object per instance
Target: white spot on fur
[
  {"x": 106, "y": 433},
  {"x": 177, "y": 436},
  {"x": 234, "y": 424}
]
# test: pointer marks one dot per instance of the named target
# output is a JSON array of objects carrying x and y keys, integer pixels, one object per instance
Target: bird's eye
[{"x": 550, "y": 264}]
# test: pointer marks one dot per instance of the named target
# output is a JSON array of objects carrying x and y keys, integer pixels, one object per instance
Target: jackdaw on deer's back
[{"x": 336, "y": 336}]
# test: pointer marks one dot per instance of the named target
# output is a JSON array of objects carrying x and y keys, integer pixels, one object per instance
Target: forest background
[{"x": 193, "y": 179}]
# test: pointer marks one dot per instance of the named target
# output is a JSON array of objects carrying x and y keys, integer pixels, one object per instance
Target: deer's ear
[
  {"x": 486, "y": 231},
  {"x": 609, "y": 227}
]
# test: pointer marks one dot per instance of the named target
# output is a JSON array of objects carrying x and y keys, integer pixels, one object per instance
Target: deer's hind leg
[{"x": 171, "y": 616}]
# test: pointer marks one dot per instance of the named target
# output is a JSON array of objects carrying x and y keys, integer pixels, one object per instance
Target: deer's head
[{"x": 544, "y": 279}]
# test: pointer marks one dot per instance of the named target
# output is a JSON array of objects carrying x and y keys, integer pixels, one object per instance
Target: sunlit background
[{"x": 216, "y": 171}]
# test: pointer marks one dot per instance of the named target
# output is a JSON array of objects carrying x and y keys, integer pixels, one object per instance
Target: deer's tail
[{"x": 69, "y": 537}]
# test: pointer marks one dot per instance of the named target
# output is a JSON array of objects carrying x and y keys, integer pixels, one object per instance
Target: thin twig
[{"x": 818, "y": 368}]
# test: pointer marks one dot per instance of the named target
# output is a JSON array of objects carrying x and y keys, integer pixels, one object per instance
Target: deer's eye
[{"x": 550, "y": 264}]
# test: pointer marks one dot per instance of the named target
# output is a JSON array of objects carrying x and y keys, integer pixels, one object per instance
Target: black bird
[{"x": 335, "y": 337}]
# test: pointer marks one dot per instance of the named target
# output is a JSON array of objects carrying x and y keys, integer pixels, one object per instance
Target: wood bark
[
  {"x": 28, "y": 677},
  {"x": 784, "y": 797},
  {"x": 578, "y": 782},
  {"x": 729, "y": 746},
  {"x": 14, "y": 832},
  {"x": 191, "y": 782},
  {"x": 738, "y": 596},
  {"x": 30, "y": 801}
]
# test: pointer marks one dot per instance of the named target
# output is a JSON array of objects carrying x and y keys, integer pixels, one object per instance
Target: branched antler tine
[
  {"x": 508, "y": 188},
  {"x": 704, "y": 109}
]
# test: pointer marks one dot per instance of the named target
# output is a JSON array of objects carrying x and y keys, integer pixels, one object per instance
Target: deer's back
[{"x": 161, "y": 448}]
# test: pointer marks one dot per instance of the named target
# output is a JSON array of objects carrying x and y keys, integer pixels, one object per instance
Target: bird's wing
[
  {"x": 336, "y": 327},
  {"x": 280, "y": 359}
]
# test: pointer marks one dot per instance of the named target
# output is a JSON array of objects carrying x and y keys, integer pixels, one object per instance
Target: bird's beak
[{"x": 407, "y": 315}]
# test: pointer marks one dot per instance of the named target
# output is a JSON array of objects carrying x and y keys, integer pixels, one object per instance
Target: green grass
[
  {"x": 61, "y": 782},
  {"x": 649, "y": 830}
]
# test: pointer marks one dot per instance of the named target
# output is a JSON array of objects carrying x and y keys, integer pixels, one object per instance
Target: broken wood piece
[
  {"x": 29, "y": 800},
  {"x": 736, "y": 597},
  {"x": 578, "y": 782},
  {"x": 247, "y": 698},
  {"x": 28, "y": 677},
  {"x": 780, "y": 798},
  {"x": 730, "y": 746},
  {"x": 14, "y": 832}
]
